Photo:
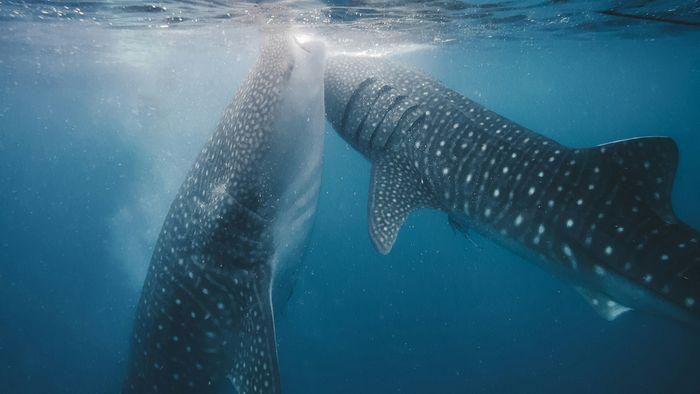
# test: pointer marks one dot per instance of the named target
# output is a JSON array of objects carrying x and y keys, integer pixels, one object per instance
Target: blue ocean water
[{"x": 101, "y": 117}]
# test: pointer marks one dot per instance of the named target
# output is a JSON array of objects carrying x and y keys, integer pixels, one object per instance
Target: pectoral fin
[
  {"x": 602, "y": 304},
  {"x": 255, "y": 368},
  {"x": 396, "y": 189}
]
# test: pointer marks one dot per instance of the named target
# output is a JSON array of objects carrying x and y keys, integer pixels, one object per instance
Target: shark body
[
  {"x": 599, "y": 217},
  {"x": 204, "y": 322}
]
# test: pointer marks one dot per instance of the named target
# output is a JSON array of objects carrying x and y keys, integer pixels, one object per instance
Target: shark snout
[{"x": 309, "y": 43}]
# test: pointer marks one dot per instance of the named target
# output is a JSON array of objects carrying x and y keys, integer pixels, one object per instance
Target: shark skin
[
  {"x": 204, "y": 323},
  {"x": 599, "y": 217}
]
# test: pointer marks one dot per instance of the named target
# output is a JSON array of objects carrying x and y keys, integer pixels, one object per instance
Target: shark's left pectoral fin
[
  {"x": 395, "y": 191},
  {"x": 255, "y": 368},
  {"x": 602, "y": 304}
]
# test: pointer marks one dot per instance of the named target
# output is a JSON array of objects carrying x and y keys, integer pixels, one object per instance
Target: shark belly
[{"x": 302, "y": 111}]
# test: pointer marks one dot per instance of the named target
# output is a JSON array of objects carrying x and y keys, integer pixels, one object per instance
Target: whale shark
[
  {"x": 204, "y": 322},
  {"x": 598, "y": 217}
]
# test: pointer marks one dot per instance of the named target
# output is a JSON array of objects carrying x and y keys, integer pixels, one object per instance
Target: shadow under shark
[
  {"x": 600, "y": 217},
  {"x": 204, "y": 321}
]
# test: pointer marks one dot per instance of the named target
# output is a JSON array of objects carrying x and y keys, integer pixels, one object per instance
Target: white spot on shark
[{"x": 518, "y": 220}]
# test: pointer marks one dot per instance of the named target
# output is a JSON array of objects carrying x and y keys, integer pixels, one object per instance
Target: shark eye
[{"x": 288, "y": 71}]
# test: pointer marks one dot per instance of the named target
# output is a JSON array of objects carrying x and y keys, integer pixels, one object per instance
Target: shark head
[
  {"x": 283, "y": 116},
  {"x": 298, "y": 128}
]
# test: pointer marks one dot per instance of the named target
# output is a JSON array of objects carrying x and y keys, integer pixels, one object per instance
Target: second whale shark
[{"x": 599, "y": 217}]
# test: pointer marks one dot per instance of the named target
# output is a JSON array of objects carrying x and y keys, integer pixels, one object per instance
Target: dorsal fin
[
  {"x": 395, "y": 191},
  {"x": 602, "y": 304},
  {"x": 648, "y": 166}
]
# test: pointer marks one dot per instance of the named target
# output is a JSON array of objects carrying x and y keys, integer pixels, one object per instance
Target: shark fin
[
  {"x": 255, "y": 368},
  {"x": 395, "y": 191},
  {"x": 602, "y": 304},
  {"x": 648, "y": 166}
]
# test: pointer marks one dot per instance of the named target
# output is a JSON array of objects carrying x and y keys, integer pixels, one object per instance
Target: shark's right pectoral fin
[
  {"x": 602, "y": 304},
  {"x": 396, "y": 189},
  {"x": 255, "y": 367}
]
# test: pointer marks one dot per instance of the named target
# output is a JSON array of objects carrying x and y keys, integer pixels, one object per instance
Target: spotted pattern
[
  {"x": 395, "y": 193},
  {"x": 596, "y": 212},
  {"x": 204, "y": 321}
]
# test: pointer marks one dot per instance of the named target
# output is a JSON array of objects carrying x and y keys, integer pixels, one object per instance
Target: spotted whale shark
[
  {"x": 204, "y": 322},
  {"x": 599, "y": 217}
]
